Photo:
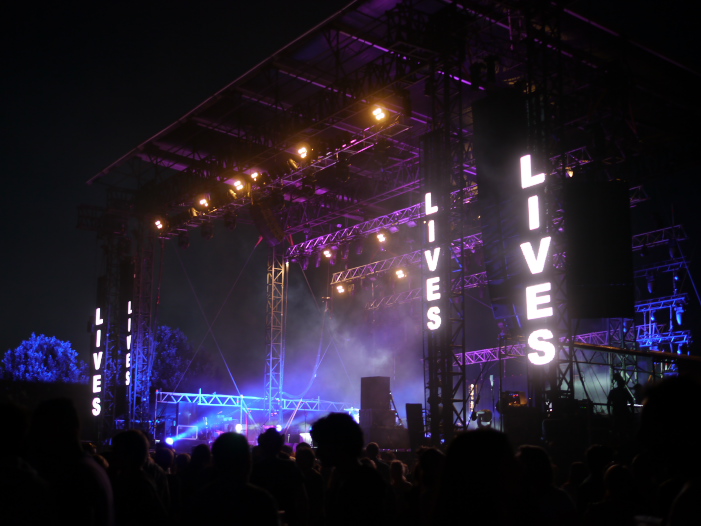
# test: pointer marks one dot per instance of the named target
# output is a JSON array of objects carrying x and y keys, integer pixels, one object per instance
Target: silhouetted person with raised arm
[
  {"x": 356, "y": 494},
  {"x": 281, "y": 477},
  {"x": 229, "y": 498},
  {"x": 80, "y": 487}
]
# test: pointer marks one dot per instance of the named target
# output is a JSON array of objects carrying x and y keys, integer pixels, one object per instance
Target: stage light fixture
[
  {"x": 345, "y": 251},
  {"x": 382, "y": 236},
  {"x": 340, "y": 289},
  {"x": 239, "y": 184},
  {"x": 203, "y": 202},
  {"x": 651, "y": 283},
  {"x": 378, "y": 112},
  {"x": 400, "y": 273},
  {"x": 161, "y": 224},
  {"x": 303, "y": 150},
  {"x": 328, "y": 253},
  {"x": 238, "y": 428},
  {"x": 394, "y": 229},
  {"x": 679, "y": 314},
  {"x": 170, "y": 441}
]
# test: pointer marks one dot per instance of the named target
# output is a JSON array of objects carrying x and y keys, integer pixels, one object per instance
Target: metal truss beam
[
  {"x": 412, "y": 258},
  {"x": 275, "y": 329},
  {"x": 661, "y": 303},
  {"x": 399, "y": 217},
  {"x": 672, "y": 265},
  {"x": 142, "y": 339},
  {"x": 514, "y": 350},
  {"x": 249, "y": 403},
  {"x": 463, "y": 282},
  {"x": 659, "y": 237}
]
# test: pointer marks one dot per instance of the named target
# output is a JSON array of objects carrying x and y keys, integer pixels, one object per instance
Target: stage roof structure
[
  {"x": 320, "y": 90},
  {"x": 322, "y": 141}
]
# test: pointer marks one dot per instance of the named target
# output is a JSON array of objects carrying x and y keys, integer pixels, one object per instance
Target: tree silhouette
[
  {"x": 176, "y": 363},
  {"x": 44, "y": 359}
]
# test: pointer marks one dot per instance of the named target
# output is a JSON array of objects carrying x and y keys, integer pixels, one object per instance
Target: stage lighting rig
[
  {"x": 203, "y": 202},
  {"x": 382, "y": 238},
  {"x": 259, "y": 178},
  {"x": 379, "y": 113},
  {"x": 304, "y": 151},
  {"x": 400, "y": 273},
  {"x": 330, "y": 254},
  {"x": 160, "y": 224},
  {"x": 239, "y": 184}
]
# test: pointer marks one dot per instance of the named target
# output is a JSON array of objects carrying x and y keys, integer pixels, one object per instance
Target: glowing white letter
[
  {"x": 434, "y": 318},
  {"x": 430, "y": 209},
  {"x": 128, "y": 358},
  {"x": 96, "y": 406},
  {"x": 96, "y": 383},
  {"x": 536, "y": 264},
  {"x": 128, "y": 378},
  {"x": 533, "y": 300},
  {"x": 431, "y": 231},
  {"x": 527, "y": 179},
  {"x": 533, "y": 213},
  {"x": 98, "y": 337},
  {"x": 432, "y": 259},
  {"x": 535, "y": 342},
  {"x": 128, "y": 342},
  {"x": 98, "y": 320},
  {"x": 97, "y": 359},
  {"x": 432, "y": 285}
]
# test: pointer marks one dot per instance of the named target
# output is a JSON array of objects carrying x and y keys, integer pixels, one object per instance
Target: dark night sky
[{"x": 83, "y": 83}]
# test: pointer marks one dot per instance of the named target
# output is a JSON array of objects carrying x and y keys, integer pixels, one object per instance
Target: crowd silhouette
[{"x": 47, "y": 476}]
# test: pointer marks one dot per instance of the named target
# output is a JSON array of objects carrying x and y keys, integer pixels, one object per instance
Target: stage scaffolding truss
[{"x": 425, "y": 62}]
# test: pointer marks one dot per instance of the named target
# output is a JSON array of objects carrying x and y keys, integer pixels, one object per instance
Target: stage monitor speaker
[
  {"x": 377, "y": 418},
  {"x": 415, "y": 424},
  {"x": 599, "y": 265},
  {"x": 375, "y": 393},
  {"x": 500, "y": 133}
]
